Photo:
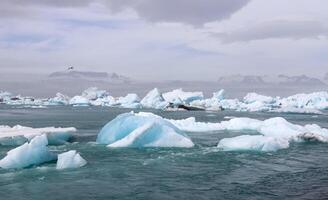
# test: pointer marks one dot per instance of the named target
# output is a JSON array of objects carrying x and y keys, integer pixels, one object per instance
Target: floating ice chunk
[
  {"x": 94, "y": 93},
  {"x": 70, "y": 159},
  {"x": 213, "y": 103},
  {"x": 219, "y": 95},
  {"x": 79, "y": 101},
  {"x": 316, "y": 100},
  {"x": 179, "y": 96},
  {"x": 254, "y": 97},
  {"x": 104, "y": 101},
  {"x": 142, "y": 130},
  {"x": 278, "y": 128},
  {"x": 129, "y": 101},
  {"x": 18, "y": 135},
  {"x": 32, "y": 153},
  {"x": 60, "y": 99},
  {"x": 276, "y": 131},
  {"x": 190, "y": 125},
  {"x": 253, "y": 142},
  {"x": 154, "y": 99}
]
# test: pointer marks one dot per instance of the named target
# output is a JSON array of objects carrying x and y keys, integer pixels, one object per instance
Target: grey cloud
[
  {"x": 56, "y": 3},
  {"x": 284, "y": 29},
  {"x": 195, "y": 12}
]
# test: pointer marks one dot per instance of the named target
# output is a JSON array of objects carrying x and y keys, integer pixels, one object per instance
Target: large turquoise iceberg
[{"x": 142, "y": 130}]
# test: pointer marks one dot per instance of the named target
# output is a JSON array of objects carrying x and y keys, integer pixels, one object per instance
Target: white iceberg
[
  {"x": 32, "y": 153},
  {"x": 142, "y": 130},
  {"x": 276, "y": 133},
  {"x": 179, "y": 96},
  {"x": 252, "y": 142},
  {"x": 18, "y": 135},
  {"x": 316, "y": 100},
  {"x": 154, "y": 99},
  {"x": 254, "y": 97},
  {"x": 213, "y": 103},
  {"x": 94, "y": 93},
  {"x": 129, "y": 101},
  {"x": 79, "y": 101},
  {"x": 190, "y": 125},
  {"x": 60, "y": 99},
  {"x": 70, "y": 159}
]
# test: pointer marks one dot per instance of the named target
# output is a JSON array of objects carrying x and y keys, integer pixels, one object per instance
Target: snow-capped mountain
[
  {"x": 325, "y": 78},
  {"x": 87, "y": 75},
  {"x": 240, "y": 79},
  {"x": 244, "y": 80}
]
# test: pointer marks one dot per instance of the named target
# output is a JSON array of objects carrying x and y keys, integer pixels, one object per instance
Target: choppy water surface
[{"x": 202, "y": 172}]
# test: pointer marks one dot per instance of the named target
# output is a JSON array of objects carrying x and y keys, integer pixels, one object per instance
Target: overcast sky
[{"x": 162, "y": 39}]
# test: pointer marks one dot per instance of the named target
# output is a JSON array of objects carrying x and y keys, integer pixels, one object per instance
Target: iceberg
[
  {"x": 254, "y": 97},
  {"x": 104, "y": 101},
  {"x": 154, "y": 99},
  {"x": 179, "y": 96},
  {"x": 129, "y": 101},
  {"x": 60, "y": 99},
  {"x": 213, "y": 103},
  {"x": 316, "y": 100},
  {"x": 142, "y": 130},
  {"x": 274, "y": 133},
  {"x": 94, "y": 93},
  {"x": 79, "y": 101},
  {"x": 253, "y": 143},
  {"x": 190, "y": 125},
  {"x": 70, "y": 159},
  {"x": 33, "y": 153},
  {"x": 18, "y": 135}
]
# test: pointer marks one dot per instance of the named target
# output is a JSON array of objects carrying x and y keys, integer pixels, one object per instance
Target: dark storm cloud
[
  {"x": 282, "y": 29},
  {"x": 195, "y": 12}
]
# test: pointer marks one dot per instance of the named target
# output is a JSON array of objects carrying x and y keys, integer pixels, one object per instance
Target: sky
[{"x": 165, "y": 40}]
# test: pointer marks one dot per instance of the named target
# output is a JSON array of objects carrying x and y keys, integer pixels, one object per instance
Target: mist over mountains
[{"x": 72, "y": 82}]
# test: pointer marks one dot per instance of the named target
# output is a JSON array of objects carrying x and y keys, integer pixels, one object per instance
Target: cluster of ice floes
[
  {"x": 300, "y": 103},
  {"x": 37, "y": 152},
  {"x": 18, "y": 135},
  {"x": 275, "y": 133},
  {"x": 142, "y": 130}
]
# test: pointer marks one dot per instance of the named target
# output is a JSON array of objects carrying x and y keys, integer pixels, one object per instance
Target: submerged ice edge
[
  {"x": 18, "y": 135},
  {"x": 310, "y": 103}
]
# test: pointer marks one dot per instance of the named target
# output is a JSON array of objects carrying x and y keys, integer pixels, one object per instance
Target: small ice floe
[
  {"x": 70, "y": 159},
  {"x": 142, "y": 130},
  {"x": 33, "y": 153}
]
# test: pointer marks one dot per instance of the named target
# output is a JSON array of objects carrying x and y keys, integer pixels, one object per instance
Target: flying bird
[{"x": 70, "y": 68}]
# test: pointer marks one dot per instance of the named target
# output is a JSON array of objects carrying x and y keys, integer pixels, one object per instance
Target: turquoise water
[{"x": 202, "y": 172}]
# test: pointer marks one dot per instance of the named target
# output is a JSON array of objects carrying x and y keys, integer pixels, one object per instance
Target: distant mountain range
[
  {"x": 326, "y": 78},
  {"x": 90, "y": 76},
  {"x": 250, "y": 80}
]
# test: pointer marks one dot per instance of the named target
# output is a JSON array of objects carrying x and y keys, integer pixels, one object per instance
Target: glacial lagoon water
[{"x": 202, "y": 172}]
